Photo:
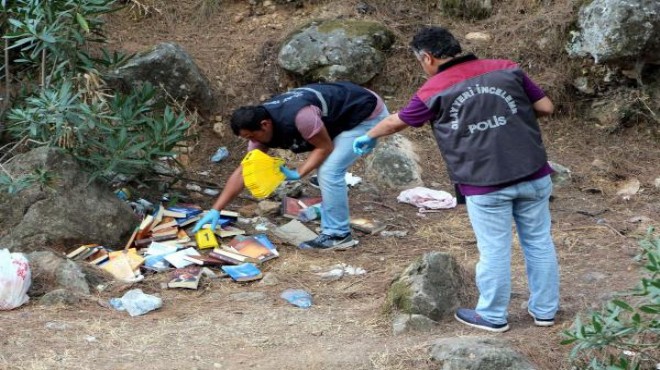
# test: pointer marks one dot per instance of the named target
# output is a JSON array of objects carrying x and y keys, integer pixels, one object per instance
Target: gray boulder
[
  {"x": 405, "y": 323},
  {"x": 64, "y": 212},
  {"x": 52, "y": 272},
  {"x": 475, "y": 353},
  {"x": 433, "y": 286},
  {"x": 333, "y": 50},
  {"x": 169, "y": 65},
  {"x": 60, "y": 297},
  {"x": 618, "y": 30},
  {"x": 394, "y": 164}
]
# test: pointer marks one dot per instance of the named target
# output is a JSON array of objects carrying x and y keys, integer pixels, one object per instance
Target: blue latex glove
[
  {"x": 364, "y": 144},
  {"x": 289, "y": 173},
  {"x": 211, "y": 217}
]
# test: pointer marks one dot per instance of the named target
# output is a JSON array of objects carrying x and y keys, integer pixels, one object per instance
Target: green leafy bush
[
  {"x": 626, "y": 333},
  {"x": 51, "y": 36},
  {"x": 124, "y": 134},
  {"x": 63, "y": 101}
]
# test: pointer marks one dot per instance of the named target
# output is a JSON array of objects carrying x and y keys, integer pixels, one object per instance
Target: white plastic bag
[
  {"x": 426, "y": 198},
  {"x": 15, "y": 279}
]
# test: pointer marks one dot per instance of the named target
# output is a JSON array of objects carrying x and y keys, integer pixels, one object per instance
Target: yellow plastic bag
[{"x": 261, "y": 173}]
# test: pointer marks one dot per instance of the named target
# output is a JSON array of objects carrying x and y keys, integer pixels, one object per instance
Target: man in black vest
[
  {"x": 483, "y": 115},
  {"x": 322, "y": 119}
]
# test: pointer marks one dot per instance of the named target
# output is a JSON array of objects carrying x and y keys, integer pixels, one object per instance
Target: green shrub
[
  {"x": 626, "y": 333},
  {"x": 125, "y": 134},
  {"x": 64, "y": 103}
]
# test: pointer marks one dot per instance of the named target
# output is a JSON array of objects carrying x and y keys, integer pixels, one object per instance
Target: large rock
[
  {"x": 432, "y": 286},
  {"x": 476, "y": 353},
  {"x": 616, "y": 30},
  {"x": 394, "y": 164},
  {"x": 67, "y": 211},
  {"x": 52, "y": 272},
  {"x": 333, "y": 50},
  {"x": 169, "y": 65}
]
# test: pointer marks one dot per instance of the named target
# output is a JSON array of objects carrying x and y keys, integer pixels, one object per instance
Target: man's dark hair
[
  {"x": 248, "y": 118},
  {"x": 436, "y": 41}
]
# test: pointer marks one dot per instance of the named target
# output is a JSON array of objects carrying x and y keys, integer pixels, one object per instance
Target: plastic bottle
[{"x": 310, "y": 213}]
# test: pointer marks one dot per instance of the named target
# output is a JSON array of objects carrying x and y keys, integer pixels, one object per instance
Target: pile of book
[
  {"x": 124, "y": 265},
  {"x": 161, "y": 243}
]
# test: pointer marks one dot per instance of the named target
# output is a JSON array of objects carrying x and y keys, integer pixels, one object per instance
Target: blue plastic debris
[
  {"x": 220, "y": 154},
  {"x": 298, "y": 297}
]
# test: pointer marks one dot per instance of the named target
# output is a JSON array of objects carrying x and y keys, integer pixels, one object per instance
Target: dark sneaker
[
  {"x": 327, "y": 243},
  {"x": 541, "y": 322},
  {"x": 314, "y": 181},
  {"x": 471, "y": 318}
]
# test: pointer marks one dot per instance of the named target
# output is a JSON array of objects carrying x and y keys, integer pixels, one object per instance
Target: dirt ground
[{"x": 225, "y": 325}]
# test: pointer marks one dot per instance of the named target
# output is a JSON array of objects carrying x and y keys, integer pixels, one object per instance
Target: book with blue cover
[
  {"x": 243, "y": 272},
  {"x": 182, "y": 211}
]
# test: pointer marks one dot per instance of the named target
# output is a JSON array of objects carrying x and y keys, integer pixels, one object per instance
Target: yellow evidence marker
[{"x": 206, "y": 239}]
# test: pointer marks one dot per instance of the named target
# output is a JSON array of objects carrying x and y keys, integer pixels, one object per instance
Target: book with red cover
[
  {"x": 186, "y": 277},
  {"x": 291, "y": 206},
  {"x": 206, "y": 260}
]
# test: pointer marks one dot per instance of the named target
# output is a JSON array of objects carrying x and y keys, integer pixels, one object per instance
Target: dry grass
[{"x": 211, "y": 328}]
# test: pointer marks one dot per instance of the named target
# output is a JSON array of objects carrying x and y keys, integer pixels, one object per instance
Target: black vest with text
[
  {"x": 343, "y": 106},
  {"x": 485, "y": 124}
]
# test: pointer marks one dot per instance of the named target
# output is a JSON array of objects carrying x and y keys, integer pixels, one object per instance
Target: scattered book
[
  {"x": 120, "y": 268},
  {"x": 157, "y": 263},
  {"x": 176, "y": 259},
  {"x": 76, "y": 252},
  {"x": 157, "y": 248},
  {"x": 131, "y": 255},
  {"x": 243, "y": 272},
  {"x": 170, "y": 230},
  {"x": 231, "y": 215},
  {"x": 230, "y": 257},
  {"x": 181, "y": 222},
  {"x": 263, "y": 239},
  {"x": 182, "y": 211},
  {"x": 101, "y": 255},
  {"x": 294, "y": 233},
  {"x": 158, "y": 238},
  {"x": 157, "y": 216},
  {"x": 291, "y": 207},
  {"x": 145, "y": 227},
  {"x": 203, "y": 260},
  {"x": 251, "y": 247},
  {"x": 166, "y": 222},
  {"x": 132, "y": 238},
  {"x": 187, "y": 277},
  {"x": 89, "y": 251},
  {"x": 227, "y": 231},
  {"x": 367, "y": 226}
]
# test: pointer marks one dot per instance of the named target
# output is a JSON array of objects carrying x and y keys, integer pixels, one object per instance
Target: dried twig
[
  {"x": 19, "y": 143},
  {"x": 380, "y": 204}
]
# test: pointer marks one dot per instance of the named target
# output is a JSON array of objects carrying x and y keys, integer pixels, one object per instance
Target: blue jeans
[
  {"x": 490, "y": 214},
  {"x": 335, "y": 218}
]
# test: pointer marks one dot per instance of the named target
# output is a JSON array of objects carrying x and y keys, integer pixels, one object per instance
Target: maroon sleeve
[
  {"x": 534, "y": 92},
  {"x": 416, "y": 113}
]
